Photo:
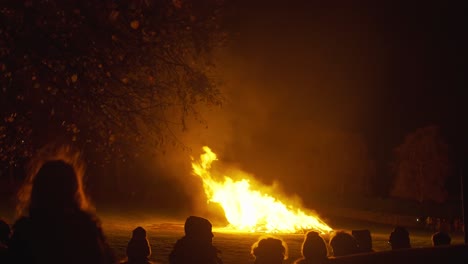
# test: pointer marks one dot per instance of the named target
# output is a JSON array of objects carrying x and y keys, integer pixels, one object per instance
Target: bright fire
[{"x": 250, "y": 210}]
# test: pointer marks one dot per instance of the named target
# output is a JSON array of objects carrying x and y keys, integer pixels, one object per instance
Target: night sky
[{"x": 399, "y": 67}]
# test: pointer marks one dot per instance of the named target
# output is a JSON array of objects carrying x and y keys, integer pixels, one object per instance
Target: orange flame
[{"x": 250, "y": 210}]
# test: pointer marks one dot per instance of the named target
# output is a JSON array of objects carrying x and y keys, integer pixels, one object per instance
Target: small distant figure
[
  {"x": 441, "y": 239},
  {"x": 445, "y": 226},
  {"x": 363, "y": 239},
  {"x": 438, "y": 222},
  {"x": 399, "y": 238},
  {"x": 196, "y": 246},
  {"x": 138, "y": 248},
  {"x": 269, "y": 250},
  {"x": 343, "y": 244},
  {"x": 314, "y": 249},
  {"x": 4, "y": 240},
  {"x": 57, "y": 225},
  {"x": 429, "y": 223},
  {"x": 456, "y": 224}
]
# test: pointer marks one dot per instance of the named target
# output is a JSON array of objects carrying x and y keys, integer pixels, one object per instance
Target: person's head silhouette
[
  {"x": 139, "y": 233},
  {"x": 364, "y": 240},
  {"x": 55, "y": 224},
  {"x": 198, "y": 228},
  {"x": 196, "y": 246},
  {"x": 269, "y": 250},
  {"x": 138, "y": 248},
  {"x": 54, "y": 188},
  {"x": 440, "y": 239},
  {"x": 314, "y": 247},
  {"x": 343, "y": 244},
  {"x": 399, "y": 238}
]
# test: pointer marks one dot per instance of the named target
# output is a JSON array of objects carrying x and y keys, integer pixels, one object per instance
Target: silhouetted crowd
[
  {"x": 57, "y": 226},
  {"x": 436, "y": 223}
]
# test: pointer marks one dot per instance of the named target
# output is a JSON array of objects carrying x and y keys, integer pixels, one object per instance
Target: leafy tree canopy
[{"x": 107, "y": 75}]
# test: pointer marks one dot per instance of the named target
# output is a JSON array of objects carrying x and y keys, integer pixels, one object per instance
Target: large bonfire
[{"x": 249, "y": 210}]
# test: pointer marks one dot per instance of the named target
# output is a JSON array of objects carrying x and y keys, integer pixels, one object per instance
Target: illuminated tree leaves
[{"x": 102, "y": 73}]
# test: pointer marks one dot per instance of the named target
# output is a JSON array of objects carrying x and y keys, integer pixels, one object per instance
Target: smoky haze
[
  {"x": 300, "y": 87},
  {"x": 316, "y": 98}
]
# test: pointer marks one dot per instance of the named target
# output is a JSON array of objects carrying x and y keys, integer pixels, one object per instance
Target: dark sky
[
  {"x": 397, "y": 66},
  {"x": 307, "y": 84}
]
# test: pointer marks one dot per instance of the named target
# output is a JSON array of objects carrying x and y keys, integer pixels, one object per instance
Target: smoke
[{"x": 299, "y": 92}]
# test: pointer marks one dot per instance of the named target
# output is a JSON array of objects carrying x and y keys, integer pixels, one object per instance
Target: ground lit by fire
[
  {"x": 248, "y": 209},
  {"x": 163, "y": 232}
]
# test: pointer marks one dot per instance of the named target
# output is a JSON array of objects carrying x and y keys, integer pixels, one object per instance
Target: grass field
[{"x": 235, "y": 247}]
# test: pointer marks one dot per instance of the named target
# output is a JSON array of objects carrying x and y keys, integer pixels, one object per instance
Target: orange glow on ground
[{"x": 249, "y": 210}]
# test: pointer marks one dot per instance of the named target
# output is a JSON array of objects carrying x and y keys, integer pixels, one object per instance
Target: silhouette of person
[
  {"x": 4, "y": 240},
  {"x": 138, "y": 248},
  {"x": 364, "y": 240},
  {"x": 269, "y": 250},
  {"x": 441, "y": 238},
  {"x": 196, "y": 246},
  {"x": 343, "y": 244},
  {"x": 57, "y": 226},
  {"x": 399, "y": 238},
  {"x": 314, "y": 249}
]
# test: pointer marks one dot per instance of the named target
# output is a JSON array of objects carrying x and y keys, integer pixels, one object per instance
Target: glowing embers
[{"x": 250, "y": 210}]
